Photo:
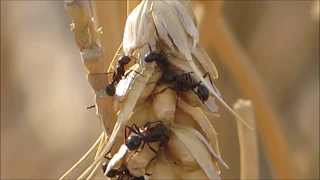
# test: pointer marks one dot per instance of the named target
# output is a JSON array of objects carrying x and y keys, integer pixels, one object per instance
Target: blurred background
[{"x": 45, "y": 127}]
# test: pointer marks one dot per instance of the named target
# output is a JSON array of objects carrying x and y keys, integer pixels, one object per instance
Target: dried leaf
[
  {"x": 204, "y": 141},
  {"x": 198, "y": 149},
  {"x": 164, "y": 103}
]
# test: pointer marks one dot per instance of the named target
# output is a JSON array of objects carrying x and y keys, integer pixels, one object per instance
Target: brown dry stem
[
  {"x": 249, "y": 157},
  {"x": 238, "y": 63},
  {"x": 87, "y": 36}
]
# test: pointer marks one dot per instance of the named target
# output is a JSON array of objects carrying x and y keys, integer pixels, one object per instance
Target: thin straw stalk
[{"x": 249, "y": 157}]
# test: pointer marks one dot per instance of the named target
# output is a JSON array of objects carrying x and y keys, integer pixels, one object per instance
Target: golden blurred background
[{"x": 45, "y": 127}]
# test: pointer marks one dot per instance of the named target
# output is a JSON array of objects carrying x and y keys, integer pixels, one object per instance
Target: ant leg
[
  {"x": 144, "y": 45},
  {"x": 120, "y": 177},
  {"x": 153, "y": 83},
  {"x": 151, "y": 159},
  {"x": 137, "y": 129},
  {"x": 102, "y": 73},
  {"x": 92, "y": 106},
  {"x": 131, "y": 129},
  {"x": 106, "y": 155},
  {"x": 210, "y": 79},
  {"x": 152, "y": 149},
  {"x": 172, "y": 88},
  {"x": 189, "y": 76},
  {"x": 165, "y": 141},
  {"x": 149, "y": 47},
  {"x": 133, "y": 71}
]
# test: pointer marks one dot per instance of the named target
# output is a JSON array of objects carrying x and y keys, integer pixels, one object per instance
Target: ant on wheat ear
[
  {"x": 185, "y": 83},
  {"x": 157, "y": 133}
]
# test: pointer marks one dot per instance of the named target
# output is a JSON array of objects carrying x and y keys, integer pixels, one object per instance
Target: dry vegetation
[{"x": 265, "y": 51}]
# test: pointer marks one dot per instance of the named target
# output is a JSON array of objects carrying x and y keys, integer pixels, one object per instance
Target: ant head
[
  {"x": 104, "y": 166},
  {"x": 134, "y": 142},
  {"x": 151, "y": 56},
  {"x": 124, "y": 60},
  {"x": 203, "y": 93},
  {"x": 110, "y": 89},
  {"x": 112, "y": 173}
]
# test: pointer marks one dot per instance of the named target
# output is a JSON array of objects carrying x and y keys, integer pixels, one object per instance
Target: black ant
[
  {"x": 185, "y": 83},
  {"x": 157, "y": 133},
  {"x": 118, "y": 74},
  {"x": 120, "y": 173},
  {"x": 159, "y": 57}
]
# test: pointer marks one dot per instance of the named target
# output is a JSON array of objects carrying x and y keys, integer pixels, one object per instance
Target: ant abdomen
[
  {"x": 124, "y": 60},
  {"x": 111, "y": 89},
  {"x": 203, "y": 93}
]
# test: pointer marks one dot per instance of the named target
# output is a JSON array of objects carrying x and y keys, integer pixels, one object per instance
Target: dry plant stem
[
  {"x": 249, "y": 157},
  {"x": 93, "y": 172},
  {"x": 84, "y": 157},
  {"x": 87, "y": 35},
  {"x": 111, "y": 17},
  {"x": 237, "y": 61},
  {"x": 214, "y": 7}
]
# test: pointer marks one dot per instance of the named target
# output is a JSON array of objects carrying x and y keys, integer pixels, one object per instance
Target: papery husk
[
  {"x": 190, "y": 98},
  {"x": 137, "y": 162},
  {"x": 180, "y": 154},
  {"x": 198, "y": 150},
  {"x": 163, "y": 169},
  {"x": 198, "y": 174},
  {"x": 198, "y": 75},
  {"x": 139, "y": 115},
  {"x": 151, "y": 84},
  {"x": 131, "y": 99},
  {"x": 127, "y": 107},
  {"x": 200, "y": 137},
  {"x": 184, "y": 118},
  {"x": 205, "y": 126},
  {"x": 169, "y": 28},
  {"x": 185, "y": 17},
  {"x": 202, "y": 120},
  {"x": 139, "y": 28},
  {"x": 188, "y": 6},
  {"x": 164, "y": 103}
]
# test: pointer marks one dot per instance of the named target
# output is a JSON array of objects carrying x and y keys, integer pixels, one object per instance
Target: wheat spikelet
[{"x": 192, "y": 150}]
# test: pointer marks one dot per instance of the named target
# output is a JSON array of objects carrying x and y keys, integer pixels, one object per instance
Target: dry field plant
[{"x": 196, "y": 37}]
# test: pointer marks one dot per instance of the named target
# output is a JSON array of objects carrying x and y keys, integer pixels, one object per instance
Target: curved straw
[
  {"x": 93, "y": 172},
  {"x": 101, "y": 145},
  {"x": 249, "y": 157},
  {"x": 83, "y": 158},
  {"x": 237, "y": 62}
]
